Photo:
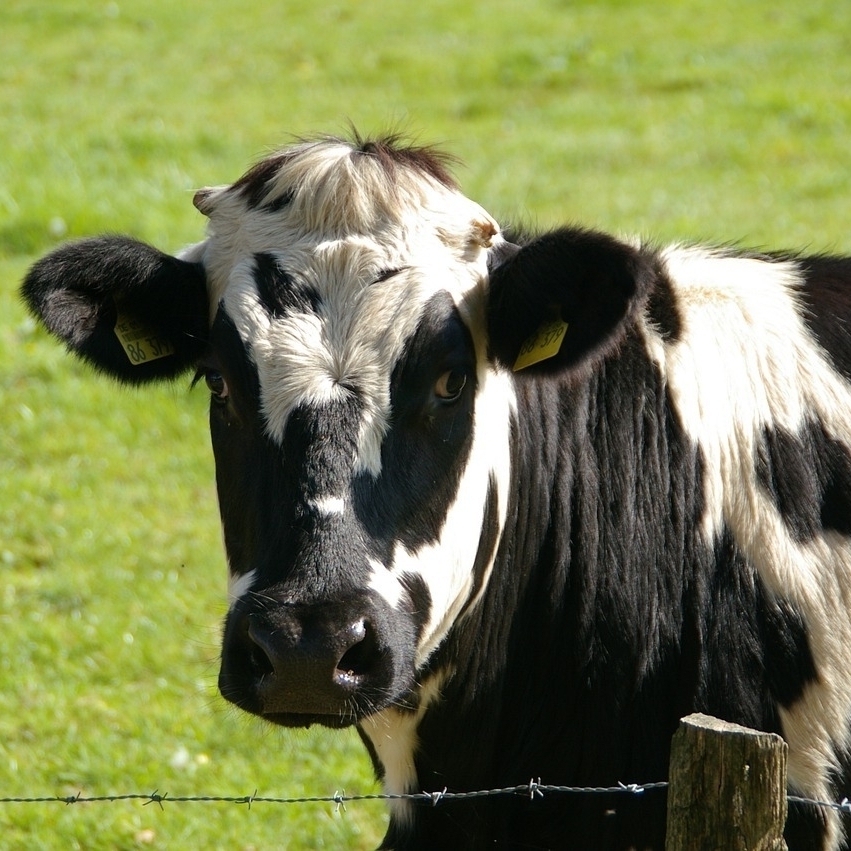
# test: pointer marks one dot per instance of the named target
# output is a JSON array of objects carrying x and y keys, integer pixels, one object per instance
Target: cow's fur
[{"x": 500, "y": 575}]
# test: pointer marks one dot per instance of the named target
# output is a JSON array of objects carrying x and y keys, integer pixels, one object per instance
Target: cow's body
[{"x": 504, "y": 575}]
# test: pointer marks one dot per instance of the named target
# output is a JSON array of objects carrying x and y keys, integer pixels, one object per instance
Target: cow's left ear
[
  {"x": 134, "y": 312},
  {"x": 563, "y": 299}
]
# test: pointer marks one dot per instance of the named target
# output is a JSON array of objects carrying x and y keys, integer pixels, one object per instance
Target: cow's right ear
[
  {"x": 134, "y": 312},
  {"x": 564, "y": 299}
]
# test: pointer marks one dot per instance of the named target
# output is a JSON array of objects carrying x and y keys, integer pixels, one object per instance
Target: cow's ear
[
  {"x": 563, "y": 299},
  {"x": 134, "y": 312}
]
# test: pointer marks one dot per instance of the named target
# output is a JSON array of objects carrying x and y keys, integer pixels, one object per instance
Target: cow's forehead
[
  {"x": 348, "y": 341},
  {"x": 356, "y": 249},
  {"x": 401, "y": 207}
]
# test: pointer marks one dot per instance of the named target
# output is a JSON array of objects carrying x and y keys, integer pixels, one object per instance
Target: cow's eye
[
  {"x": 217, "y": 385},
  {"x": 449, "y": 386}
]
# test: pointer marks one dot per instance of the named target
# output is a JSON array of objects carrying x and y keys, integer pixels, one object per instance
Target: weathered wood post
[{"x": 727, "y": 788}]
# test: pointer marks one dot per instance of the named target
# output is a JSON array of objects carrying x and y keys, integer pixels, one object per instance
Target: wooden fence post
[{"x": 727, "y": 788}]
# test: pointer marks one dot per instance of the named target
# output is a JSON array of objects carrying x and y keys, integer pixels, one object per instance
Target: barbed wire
[
  {"x": 533, "y": 789},
  {"x": 844, "y": 806}
]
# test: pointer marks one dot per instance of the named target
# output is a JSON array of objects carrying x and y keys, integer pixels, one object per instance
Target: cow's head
[{"x": 356, "y": 320}]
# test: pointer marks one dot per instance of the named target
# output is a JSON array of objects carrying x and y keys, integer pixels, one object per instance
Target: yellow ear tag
[
  {"x": 543, "y": 344},
  {"x": 140, "y": 343}
]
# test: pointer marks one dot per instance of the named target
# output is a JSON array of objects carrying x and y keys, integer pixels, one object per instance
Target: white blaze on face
[
  {"x": 349, "y": 346},
  {"x": 329, "y": 506},
  {"x": 446, "y": 566}
]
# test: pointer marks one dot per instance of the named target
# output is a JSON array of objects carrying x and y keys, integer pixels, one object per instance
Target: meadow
[{"x": 682, "y": 119}]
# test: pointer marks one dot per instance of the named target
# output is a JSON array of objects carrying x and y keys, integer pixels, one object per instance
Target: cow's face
[
  {"x": 359, "y": 430},
  {"x": 355, "y": 318}
]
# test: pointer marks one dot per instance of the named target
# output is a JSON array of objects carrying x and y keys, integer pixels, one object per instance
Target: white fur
[
  {"x": 357, "y": 335},
  {"x": 239, "y": 584},
  {"x": 385, "y": 583},
  {"x": 393, "y": 734},
  {"x": 329, "y": 506}
]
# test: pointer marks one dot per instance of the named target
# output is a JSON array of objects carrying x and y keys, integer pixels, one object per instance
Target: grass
[{"x": 682, "y": 119}]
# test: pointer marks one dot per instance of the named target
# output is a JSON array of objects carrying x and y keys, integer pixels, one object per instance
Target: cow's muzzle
[{"x": 296, "y": 665}]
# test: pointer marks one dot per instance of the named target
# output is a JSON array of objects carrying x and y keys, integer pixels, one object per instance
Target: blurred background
[{"x": 676, "y": 120}]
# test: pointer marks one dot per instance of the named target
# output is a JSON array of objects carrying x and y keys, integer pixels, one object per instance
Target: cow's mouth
[
  {"x": 300, "y": 719},
  {"x": 296, "y": 707}
]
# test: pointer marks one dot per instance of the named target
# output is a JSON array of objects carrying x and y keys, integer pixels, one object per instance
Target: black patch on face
[
  {"x": 246, "y": 475},
  {"x": 424, "y": 452},
  {"x": 488, "y": 539},
  {"x": 231, "y": 356},
  {"x": 808, "y": 476},
  {"x": 662, "y": 308},
  {"x": 420, "y": 599},
  {"x": 826, "y": 294},
  {"x": 278, "y": 292},
  {"x": 322, "y": 441}
]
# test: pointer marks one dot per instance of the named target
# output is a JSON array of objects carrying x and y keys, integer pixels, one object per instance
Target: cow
[{"x": 511, "y": 504}]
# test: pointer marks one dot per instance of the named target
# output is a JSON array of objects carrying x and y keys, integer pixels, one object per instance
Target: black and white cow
[{"x": 501, "y": 569}]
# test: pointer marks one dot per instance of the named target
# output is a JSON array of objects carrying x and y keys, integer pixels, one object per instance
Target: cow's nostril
[
  {"x": 261, "y": 664},
  {"x": 359, "y": 659},
  {"x": 261, "y": 650}
]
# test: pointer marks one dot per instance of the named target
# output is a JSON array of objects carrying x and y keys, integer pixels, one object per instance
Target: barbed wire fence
[
  {"x": 738, "y": 774},
  {"x": 533, "y": 789}
]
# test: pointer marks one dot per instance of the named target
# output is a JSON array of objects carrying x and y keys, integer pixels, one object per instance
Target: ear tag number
[
  {"x": 543, "y": 344},
  {"x": 139, "y": 342}
]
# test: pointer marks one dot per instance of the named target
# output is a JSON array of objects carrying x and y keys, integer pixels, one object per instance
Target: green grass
[{"x": 681, "y": 119}]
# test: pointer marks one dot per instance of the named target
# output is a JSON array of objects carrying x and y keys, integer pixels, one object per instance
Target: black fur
[
  {"x": 827, "y": 298},
  {"x": 276, "y": 290},
  {"x": 78, "y": 289},
  {"x": 594, "y": 283},
  {"x": 808, "y": 475},
  {"x": 605, "y": 621},
  {"x": 424, "y": 452},
  {"x": 662, "y": 308}
]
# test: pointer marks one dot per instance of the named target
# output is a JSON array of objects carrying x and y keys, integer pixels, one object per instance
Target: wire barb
[
  {"x": 156, "y": 798},
  {"x": 436, "y": 796},
  {"x": 248, "y": 799},
  {"x": 340, "y": 801},
  {"x": 535, "y": 789}
]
